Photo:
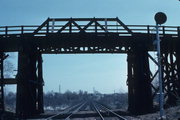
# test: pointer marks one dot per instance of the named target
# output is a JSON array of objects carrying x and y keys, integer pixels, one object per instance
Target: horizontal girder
[
  {"x": 9, "y": 81},
  {"x": 79, "y": 42}
]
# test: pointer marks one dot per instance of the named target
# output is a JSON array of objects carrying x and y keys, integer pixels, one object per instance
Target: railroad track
[
  {"x": 67, "y": 113},
  {"x": 104, "y": 111},
  {"x": 101, "y": 112}
]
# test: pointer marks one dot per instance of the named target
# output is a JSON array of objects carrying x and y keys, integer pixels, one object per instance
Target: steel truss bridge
[{"x": 91, "y": 35}]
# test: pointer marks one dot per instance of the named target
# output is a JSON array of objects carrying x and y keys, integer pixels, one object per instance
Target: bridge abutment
[{"x": 139, "y": 83}]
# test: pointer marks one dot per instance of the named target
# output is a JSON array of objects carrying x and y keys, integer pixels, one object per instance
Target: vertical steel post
[
  {"x": 47, "y": 27},
  {"x": 53, "y": 25},
  {"x": 106, "y": 25},
  {"x": 70, "y": 25},
  {"x": 95, "y": 26},
  {"x": 161, "y": 96},
  {"x": 22, "y": 29},
  {"x": 6, "y": 31}
]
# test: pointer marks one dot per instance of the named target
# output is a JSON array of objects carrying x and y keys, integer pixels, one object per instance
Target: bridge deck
[{"x": 82, "y": 35}]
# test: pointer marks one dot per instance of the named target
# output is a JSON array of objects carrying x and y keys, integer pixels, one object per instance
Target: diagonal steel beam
[
  {"x": 152, "y": 59},
  {"x": 41, "y": 26},
  {"x": 154, "y": 76},
  {"x": 124, "y": 26},
  {"x": 75, "y": 24},
  {"x": 155, "y": 89},
  {"x": 90, "y": 23},
  {"x": 100, "y": 26},
  {"x": 155, "y": 92},
  {"x": 63, "y": 28}
]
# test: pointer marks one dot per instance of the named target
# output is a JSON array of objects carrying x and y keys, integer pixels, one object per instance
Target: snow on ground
[{"x": 171, "y": 114}]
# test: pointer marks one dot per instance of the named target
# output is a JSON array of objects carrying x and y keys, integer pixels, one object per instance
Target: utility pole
[{"x": 160, "y": 18}]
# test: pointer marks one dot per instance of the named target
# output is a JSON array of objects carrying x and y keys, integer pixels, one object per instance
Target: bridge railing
[
  {"x": 151, "y": 29},
  {"x": 9, "y": 30},
  {"x": 88, "y": 25}
]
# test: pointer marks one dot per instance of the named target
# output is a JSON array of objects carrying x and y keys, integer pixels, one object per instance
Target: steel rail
[
  {"x": 65, "y": 111},
  {"x": 108, "y": 110},
  {"x": 98, "y": 111},
  {"x": 75, "y": 111}
]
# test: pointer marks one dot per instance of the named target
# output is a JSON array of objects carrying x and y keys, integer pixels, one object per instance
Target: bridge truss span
[{"x": 88, "y": 25}]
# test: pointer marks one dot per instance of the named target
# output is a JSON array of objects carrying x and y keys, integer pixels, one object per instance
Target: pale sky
[{"x": 104, "y": 72}]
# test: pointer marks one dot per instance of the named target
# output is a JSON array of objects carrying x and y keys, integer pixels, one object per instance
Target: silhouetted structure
[{"x": 91, "y": 35}]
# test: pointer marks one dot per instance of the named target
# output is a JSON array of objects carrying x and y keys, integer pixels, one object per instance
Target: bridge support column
[
  {"x": 1, "y": 82},
  {"x": 139, "y": 83},
  {"x": 29, "y": 85},
  {"x": 178, "y": 71},
  {"x": 171, "y": 71},
  {"x": 178, "y": 62},
  {"x": 170, "y": 77},
  {"x": 40, "y": 85}
]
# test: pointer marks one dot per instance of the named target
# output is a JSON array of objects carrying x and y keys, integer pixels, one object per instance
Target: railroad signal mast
[{"x": 160, "y": 18}]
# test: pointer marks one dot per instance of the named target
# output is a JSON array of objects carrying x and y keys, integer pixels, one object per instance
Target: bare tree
[{"x": 8, "y": 69}]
